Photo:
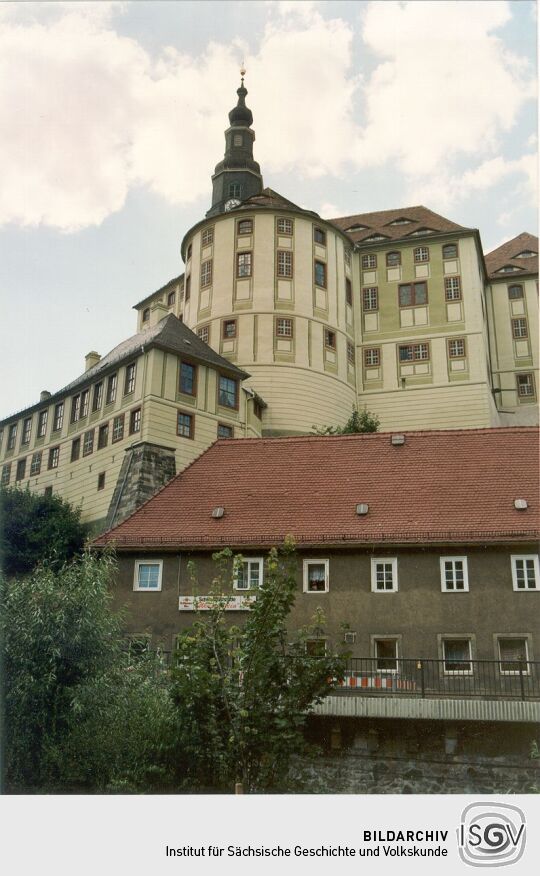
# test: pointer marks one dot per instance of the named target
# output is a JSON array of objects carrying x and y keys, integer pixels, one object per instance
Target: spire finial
[{"x": 242, "y": 72}]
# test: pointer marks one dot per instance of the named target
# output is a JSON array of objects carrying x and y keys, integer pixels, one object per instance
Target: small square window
[
  {"x": 384, "y": 575},
  {"x": 450, "y": 251},
  {"x": 249, "y": 574},
  {"x": 454, "y": 574},
  {"x": 513, "y": 655},
  {"x": 244, "y": 226},
  {"x": 319, "y": 236},
  {"x": 320, "y": 274},
  {"x": 148, "y": 575},
  {"x": 456, "y": 348},
  {"x": 284, "y": 328},
  {"x": 412, "y": 294},
  {"x": 229, "y": 328},
  {"x": 369, "y": 262},
  {"x": 285, "y": 226},
  {"x": 135, "y": 421},
  {"x": 525, "y": 572},
  {"x": 393, "y": 259},
  {"x": 386, "y": 655},
  {"x": 329, "y": 339},
  {"x": 101, "y": 481},
  {"x": 316, "y": 576},
  {"x": 204, "y": 333},
  {"x": 457, "y": 656},
  {"x": 207, "y": 237},
  {"x": 372, "y": 357},
  {"x": 525, "y": 385},
  {"x": 224, "y": 431},
  {"x": 370, "y": 298},
  {"x": 515, "y": 291},
  {"x": 421, "y": 254},
  {"x": 185, "y": 425},
  {"x": 235, "y": 190}
]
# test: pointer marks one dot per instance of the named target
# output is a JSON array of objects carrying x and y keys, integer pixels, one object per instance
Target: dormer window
[
  {"x": 357, "y": 228},
  {"x": 526, "y": 254},
  {"x": 421, "y": 231},
  {"x": 508, "y": 269},
  {"x": 374, "y": 237},
  {"x": 146, "y": 314},
  {"x": 401, "y": 221}
]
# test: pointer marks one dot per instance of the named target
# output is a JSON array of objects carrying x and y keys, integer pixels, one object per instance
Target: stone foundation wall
[{"x": 145, "y": 469}]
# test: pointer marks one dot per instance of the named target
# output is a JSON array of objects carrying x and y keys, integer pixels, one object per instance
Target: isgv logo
[{"x": 491, "y": 834}]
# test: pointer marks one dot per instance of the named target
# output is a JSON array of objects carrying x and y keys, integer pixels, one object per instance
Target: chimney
[
  {"x": 44, "y": 395},
  {"x": 91, "y": 359},
  {"x": 158, "y": 310}
]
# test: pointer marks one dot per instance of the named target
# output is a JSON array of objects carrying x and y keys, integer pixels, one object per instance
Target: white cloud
[{"x": 88, "y": 113}]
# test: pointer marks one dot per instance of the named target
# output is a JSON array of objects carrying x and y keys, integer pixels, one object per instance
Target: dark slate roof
[
  {"x": 168, "y": 334},
  {"x": 460, "y": 487},
  {"x": 173, "y": 282},
  {"x": 380, "y": 223},
  {"x": 274, "y": 201},
  {"x": 506, "y": 255}
]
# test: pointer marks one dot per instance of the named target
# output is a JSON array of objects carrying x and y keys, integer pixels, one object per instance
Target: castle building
[{"x": 282, "y": 321}]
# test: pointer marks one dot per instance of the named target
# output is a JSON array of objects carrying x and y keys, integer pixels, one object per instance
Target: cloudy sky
[{"x": 112, "y": 118}]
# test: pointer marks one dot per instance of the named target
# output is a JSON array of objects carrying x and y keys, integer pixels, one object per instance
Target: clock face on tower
[{"x": 231, "y": 204}]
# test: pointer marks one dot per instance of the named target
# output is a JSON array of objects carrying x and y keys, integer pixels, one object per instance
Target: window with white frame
[
  {"x": 454, "y": 574},
  {"x": 457, "y": 656},
  {"x": 456, "y": 348},
  {"x": 284, "y": 328},
  {"x": 372, "y": 357},
  {"x": 148, "y": 574},
  {"x": 513, "y": 655},
  {"x": 369, "y": 261},
  {"x": 525, "y": 385},
  {"x": 386, "y": 654},
  {"x": 284, "y": 263},
  {"x": 452, "y": 288},
  {"x": 316, "y": 577},
  {"x": 421, "y": 254},
  {"x": 249, "y": 574},
  {"x": 384, "y": 575},
  {"x": 370, "y": 298},
  {"x": 525, "y": 572},
  {"x": 285, "y": 226}
]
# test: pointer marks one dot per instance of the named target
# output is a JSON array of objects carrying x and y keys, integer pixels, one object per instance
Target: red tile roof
[
  {"x": 506, "y": 255},
  {"x": 380, "y": 223},
  {"x": 440, "y": 486}
]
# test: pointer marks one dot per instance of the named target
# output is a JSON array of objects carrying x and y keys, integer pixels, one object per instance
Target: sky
[{"x": 112, "y": 117}]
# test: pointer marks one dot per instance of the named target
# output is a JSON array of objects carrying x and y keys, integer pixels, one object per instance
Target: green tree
[
  {"x": 76, "y": 716},
  {"x": 244, "y": 693},
  {"x": 358, "y": 422},
  {"x": 37, "y": 527}
]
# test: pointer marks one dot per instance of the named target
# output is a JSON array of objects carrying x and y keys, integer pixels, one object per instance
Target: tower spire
[{"x": 238, "y": 176}]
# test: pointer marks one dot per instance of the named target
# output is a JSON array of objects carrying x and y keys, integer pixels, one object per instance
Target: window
[
  {"x": 27, "y": 430},
  {"x": 348, "y": 256},
  {"x": 1, "y": 438},
  {"x": 519, "y": 328},
  {"x": 526, "y": 254},
  {"x": 284, "y": 263},
  {"x": 146, "y": 314},
  {"x": 229, "y": 328},
  {"x": 257, "y": 409},
  {"x": 457, "y": 656},
  {"x": 85, "y": 396},
  {"x": 449, "y": 251},
  {"x": 513, "y": 655},
  {"x": 135, "y": 421},
  {"x": 12, "y": 436},
  {"x": 54, "y": 458},
  {"x": 386, "y": 655},
  {"x": 249, "y": 574},
  {"x": 350, "y": 352},
  {"x": 47, "y": 492},
  {"x": 171, "y": 298},
  {"x": 454, "y": 574},
  {"x": 508, "y": 269},
  {"x": 206, "y": 273},
  {"x": 101, "y": 481},
  {"x": 369, "y": 262},
  {"x": 118, "y": 428},
  {"x": 189, "y": 251},
  {"x": 103, "y": 436},
  {"x": 525, "y": 385},
  {"x": 243, "y": 264},
  {"x": 20, "y": 470},
  {"x": 515, "y": 292},
  {"x": 319, "y": 235},
  {"x": 370, "y": 298},
  {"x": 75, "y": 408},
  {"x": 384, "y": 575},
  {"x": 58, "y": 417},
  {"x": 316, "y": 576},
  {"x": 284, "y": 328},
  {"x": 207, "y": 237},
  {"x": 188, "y": 378},
  {"x": 285, "y": 226},
  {"x": 42, "y": 424},
  {"x": 75, "y": 449},
  {"x": 452, "y": 288},
  {"x": 316, "y": 647},
  {"x": 35, "y": 465},
  {"x": 525, "y": 572},
  {"x": 6, "y": 474},
  {"x": 414, "y": 353},
  {"x": 237, "y": 140},
  {"x": 372, "y": 357},
  {"x": 456, "y": 348},
  {"x": 348, "y": 291},
  {"x": 330, "y": 339},
  {"x": 188, "y": 287},
  {"x": 88, "y": 443},
  {"x": 112, "y": 385},
  {"x": 393, "y": 259},
  {"x": 320, "y": 274},
  {"x": 97, "y": 397},
  {"x": 421, "y": 254},
  {"x": 148, "y": 574},
  {"x": 204, "y": 333},
  {"x": 235, "y": 190},
  {"x": 412, "y": 294},
  {"x": 244, "y": 226},
  {"x": 129, "y": 384},
  {"x": 184, "y": 425},
  {"x": 224, "y": 431},
  {"x": 228, "y": 392}
]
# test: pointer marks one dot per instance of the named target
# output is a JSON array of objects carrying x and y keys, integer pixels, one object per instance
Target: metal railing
[{"x": 483, "y": 679}]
